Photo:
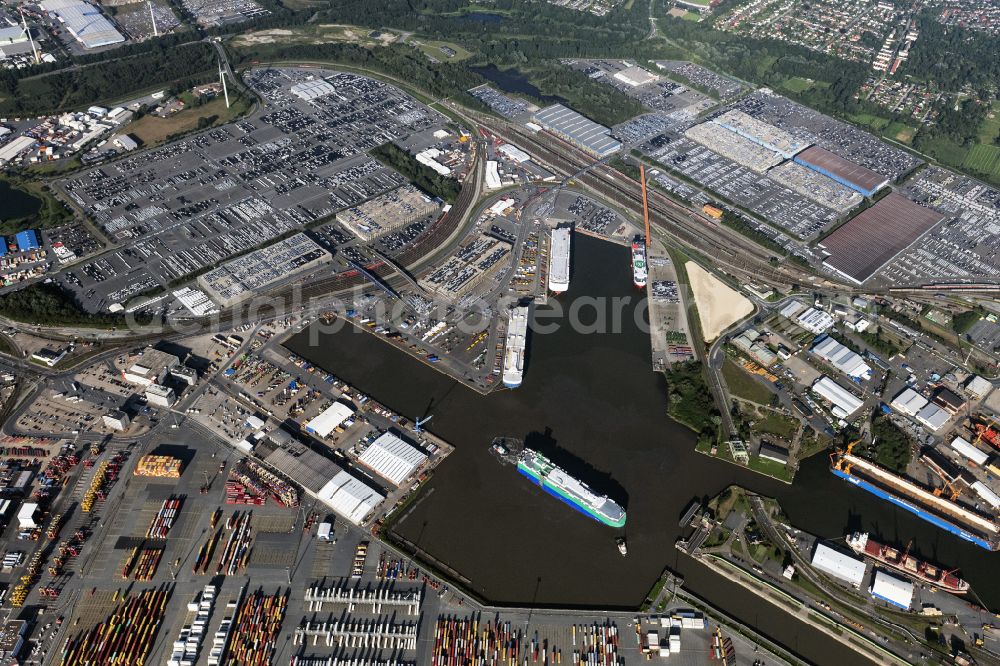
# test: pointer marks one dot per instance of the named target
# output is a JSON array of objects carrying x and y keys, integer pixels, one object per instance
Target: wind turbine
[
  {"x": 24, "y": 22},
  {"x": 152, "y": 16},
  {"x": 222, "y": 79}
]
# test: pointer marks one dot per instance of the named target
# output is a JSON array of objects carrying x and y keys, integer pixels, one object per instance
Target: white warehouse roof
[
  {"x": 844, "y": 402},
  {"x": 349, "y": 497},
  {"x": 908, "y": 402},
  {"x": 978, "y": 387},
  {"x": 580, "y": 130},
  {"x": 15, "y": 147},
  {"x": 392, "y": 458},
  {"x": 814, "y": 321},
  {"x": 329, "y": 419},
  {"x": 514, "y": 153},
  {"x": 843, "y": 567},
  {"x": 896, "y": 591},
  {"x": 964, "y": 447},
  {"x": 842, "y": 358},
  {"x": 933, "y": 416},
  {"x": 987, "y": 494},
  {"x": 791, "y": 309},
  {"x": 310, "y": 90},
  {"x": 84, "y": 21},
  {"x": 636, "y": 76}
]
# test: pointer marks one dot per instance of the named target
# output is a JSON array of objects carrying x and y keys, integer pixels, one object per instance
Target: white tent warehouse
[
  {"x": 844, "y": 402},
  {"x": 893, "y": 590},
  {"x": 842, "y": 358},
  {"x": 351, "y": 498},
  {"x": 329, "y": 419},
  {"x": 392, "y": 458},
  {"x": 840, "y": 566}
]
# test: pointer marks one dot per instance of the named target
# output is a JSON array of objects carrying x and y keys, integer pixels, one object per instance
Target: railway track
[
  {"x": 426, "y": 245},
  {"x": 675, "y": 221}
]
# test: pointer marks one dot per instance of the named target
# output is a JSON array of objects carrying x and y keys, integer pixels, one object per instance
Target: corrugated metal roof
[
  {"x": 579, "y": 129},
  {"x": 303, "y": 466},
  {"x": 26, "y": 240},
  {"x": 837, "y": 394},
  {"x": 986, "y": 493},
  {"x": 933, "y": 416},
  {"x": 862, "y": 178},
  {"x": 842, "y": 358},
  {"x": 894, "y": 590},
  {"x": 909, "y": 401},
  {"x": 349, "y": 497},
  {"x": 13, "y": 33},
  {"x": 85, "y": 22},
  {"x": 392, "y": 458},
  {"x": 310, "y": 90},
  {"x": 329, "y": 419},
  {"x": 875, "y": 236},
  {"x": 964, "y": 447},
  {"x": 838, "y": 565}
]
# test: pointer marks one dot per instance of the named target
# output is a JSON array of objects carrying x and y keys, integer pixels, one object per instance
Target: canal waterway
[
  {"x": 592, "y": 402},
  {"x": 16, "y": 204}
]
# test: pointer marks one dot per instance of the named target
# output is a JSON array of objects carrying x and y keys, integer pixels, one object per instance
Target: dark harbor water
[
  {"x": 15, "y": 203},
  {"x": 593, "y": 403}
]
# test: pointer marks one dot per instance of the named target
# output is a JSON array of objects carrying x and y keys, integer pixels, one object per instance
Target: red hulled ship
[{"x": 902, "y": 561}]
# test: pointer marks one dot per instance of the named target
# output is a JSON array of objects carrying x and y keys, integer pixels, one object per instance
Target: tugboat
[
  {"x": 622, "y": 548},
  {"x": 507, "y": 449}
]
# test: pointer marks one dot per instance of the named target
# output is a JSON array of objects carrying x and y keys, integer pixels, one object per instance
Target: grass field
[
  {"x": 797, "y": 84},
  {"x": 433, "y": 50},
  {"x": 990, "y": 128},
  {"x": 692, "y": 16},
  {"x": 316, "y": 33},
  {"x": 777, "y": 424},
  {"x": 742, "y": 385},
  {"x": 152, "y": 130},
  {"x": 54, "y": 168},
  {"x": 984, "y": 159},
  {"x": 946, "y": 151},
  {"x": 771, "y": 468},
  {"x": 899, "y": 132},
  {"x": 870, "y": 121}
]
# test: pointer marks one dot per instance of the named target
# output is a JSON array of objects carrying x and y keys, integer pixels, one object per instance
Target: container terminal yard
[{"x": 231, "y": 553}]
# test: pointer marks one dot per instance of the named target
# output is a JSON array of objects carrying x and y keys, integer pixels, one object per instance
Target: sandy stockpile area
[{"x": 719, "y": 306}]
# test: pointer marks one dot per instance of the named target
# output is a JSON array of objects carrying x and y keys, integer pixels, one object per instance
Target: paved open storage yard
[{"x": 199, "y": 201}]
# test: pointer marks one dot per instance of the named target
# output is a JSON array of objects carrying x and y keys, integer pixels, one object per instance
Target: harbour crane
[
  {"x": 420, "y": 422},
  {"x": 645, "y": 201},
  {"x": 940, "y": 473},
  {"x": 837, "y": 459}
]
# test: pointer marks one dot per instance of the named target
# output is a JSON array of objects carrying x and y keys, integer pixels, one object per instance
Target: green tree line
[
  {"x": 421, "y": 175},
  {"x": 403, "y": 62},
  {"x": 49, "y": 305},
  {"x": 598, "y": 101},
  {"x": 179, "y": 67}
]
